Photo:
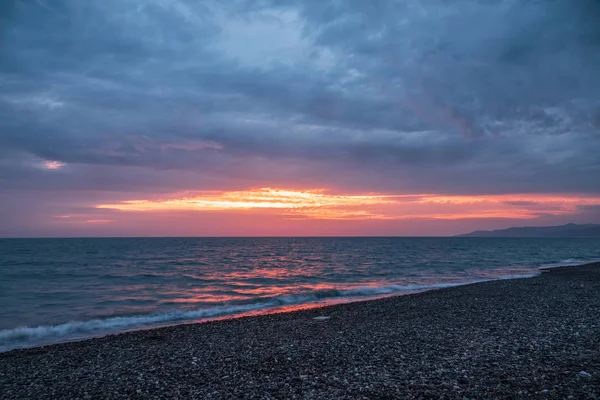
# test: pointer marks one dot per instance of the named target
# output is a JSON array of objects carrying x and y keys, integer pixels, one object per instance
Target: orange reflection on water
[
  {"x": 300, "y": 307},
  {"x": 260, "y": 284}
]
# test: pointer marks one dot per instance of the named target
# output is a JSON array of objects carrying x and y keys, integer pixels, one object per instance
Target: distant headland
[{"x": 568, "y": 230}]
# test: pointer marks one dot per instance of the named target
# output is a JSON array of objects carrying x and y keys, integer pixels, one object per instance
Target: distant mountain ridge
[{"x": 568, "y": 230}]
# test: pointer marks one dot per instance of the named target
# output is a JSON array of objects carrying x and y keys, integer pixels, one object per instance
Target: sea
[{"x": 57, "y": 290}]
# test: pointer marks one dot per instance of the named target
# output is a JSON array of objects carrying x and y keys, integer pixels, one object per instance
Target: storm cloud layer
[{"x": 432, "y": 96}]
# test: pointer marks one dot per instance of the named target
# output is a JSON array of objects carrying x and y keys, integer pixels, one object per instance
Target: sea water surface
[{"x": 54, "y": 290}]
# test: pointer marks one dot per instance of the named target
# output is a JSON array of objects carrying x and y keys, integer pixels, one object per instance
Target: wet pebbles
[{"x": 528, "y": 338}]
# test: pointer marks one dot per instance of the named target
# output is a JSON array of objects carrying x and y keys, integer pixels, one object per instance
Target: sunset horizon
[
  {"x": 177, "y": 119},
  {"x": 299, "y": 199},
  {"x": 290, "y": 212}
]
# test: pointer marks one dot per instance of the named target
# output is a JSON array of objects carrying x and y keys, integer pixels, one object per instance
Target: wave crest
[{"x": 34, "y": 336}]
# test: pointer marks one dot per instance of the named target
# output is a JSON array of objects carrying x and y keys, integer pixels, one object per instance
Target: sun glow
[
  {"x": 318, "y": 204},
  {"x": 310, "y": 203}
]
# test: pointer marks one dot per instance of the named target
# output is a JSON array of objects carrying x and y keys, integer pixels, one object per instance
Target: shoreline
[
  {"x": 536, "y": 337},
  {"x": 251, "y": 311}
]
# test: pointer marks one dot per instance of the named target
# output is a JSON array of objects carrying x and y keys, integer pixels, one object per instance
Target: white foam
[
  {"x": 570, "y": 262},
  {"x": 34, "y": 336},
  {"x": 27, "y": 336}
]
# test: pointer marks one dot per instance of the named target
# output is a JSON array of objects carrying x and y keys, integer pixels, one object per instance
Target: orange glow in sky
[{"x": 319, "y": 204}]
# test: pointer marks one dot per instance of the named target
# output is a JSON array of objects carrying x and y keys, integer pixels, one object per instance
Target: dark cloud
[
  {"x": 434, "y": 96},
  {"x": 522, "y": 203}
]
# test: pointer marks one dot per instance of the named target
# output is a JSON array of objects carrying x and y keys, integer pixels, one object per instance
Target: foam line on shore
[
  {"x": 33, "y": 336},
  {"x": 23, "y": 337}
]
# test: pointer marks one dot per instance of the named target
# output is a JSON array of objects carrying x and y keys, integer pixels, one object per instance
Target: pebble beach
[{"x": 533, "y": 338}]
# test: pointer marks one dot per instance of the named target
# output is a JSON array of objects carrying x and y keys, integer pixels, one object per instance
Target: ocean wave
[
  {"x": 22, "y": 336},
  {"x": 569, "y": 262},
  {"x": 33, "y": 336}
]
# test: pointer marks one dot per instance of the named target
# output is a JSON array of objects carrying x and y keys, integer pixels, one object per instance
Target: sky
[{"x": 297, "y": 117}]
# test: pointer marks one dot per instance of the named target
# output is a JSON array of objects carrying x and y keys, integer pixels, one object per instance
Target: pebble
[{"x": 479, "y": 341}]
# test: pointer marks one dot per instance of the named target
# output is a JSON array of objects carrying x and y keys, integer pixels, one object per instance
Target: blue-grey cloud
[{"x": 434, "y": 96}]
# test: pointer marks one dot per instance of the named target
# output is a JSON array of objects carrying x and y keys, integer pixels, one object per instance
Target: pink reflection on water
[{"x": 244, "y": 292}]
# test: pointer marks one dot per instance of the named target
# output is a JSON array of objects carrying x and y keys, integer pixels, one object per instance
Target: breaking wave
[{"x": 34, "y": 336}]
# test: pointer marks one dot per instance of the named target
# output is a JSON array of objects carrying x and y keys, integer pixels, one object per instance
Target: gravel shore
[{"x": 525, "y": 338}]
